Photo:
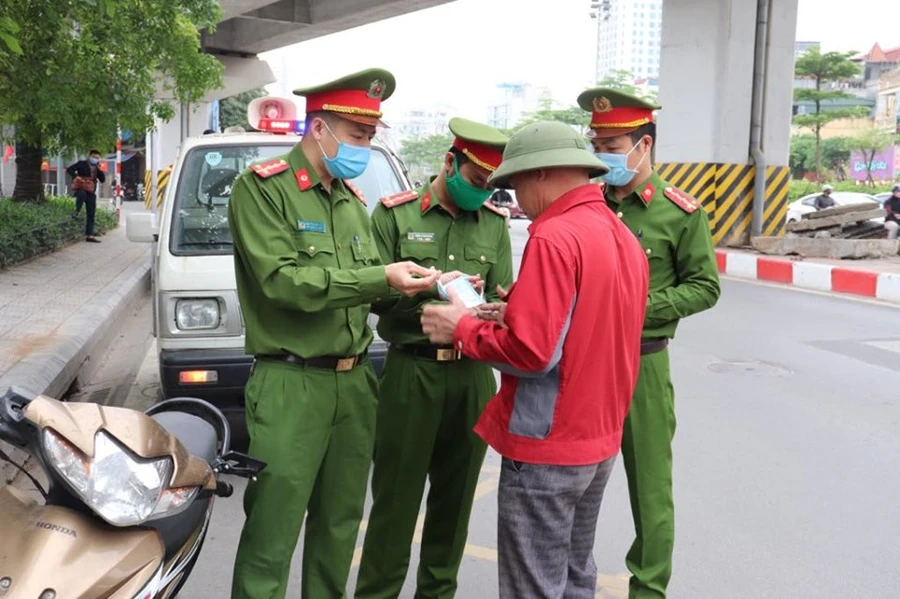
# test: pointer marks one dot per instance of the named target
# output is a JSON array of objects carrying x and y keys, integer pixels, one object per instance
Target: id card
[{"x": 463, "y": 290}]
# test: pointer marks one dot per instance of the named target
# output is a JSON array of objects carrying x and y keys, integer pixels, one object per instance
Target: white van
[{"x": 197, "y": 320}]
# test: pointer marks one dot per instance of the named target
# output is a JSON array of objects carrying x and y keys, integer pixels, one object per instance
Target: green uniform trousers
[
  {"x": 315, "y": 429},
  {"x": 426, "y": 413},
  {"x": 647, "y": 455}
]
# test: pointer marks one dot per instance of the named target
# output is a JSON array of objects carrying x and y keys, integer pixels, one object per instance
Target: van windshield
[{"x": 200, "y": 215}]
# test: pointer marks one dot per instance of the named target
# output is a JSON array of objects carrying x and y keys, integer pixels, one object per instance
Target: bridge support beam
[{"x": 706, "y": 89}]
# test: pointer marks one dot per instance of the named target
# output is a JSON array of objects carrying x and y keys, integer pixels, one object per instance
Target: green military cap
[
  {"x": 545, "y": 144},
  {"x": 356, "y": 97},
  {"x": 614, "y": 113},
  {"x": 482, "y": 144}
]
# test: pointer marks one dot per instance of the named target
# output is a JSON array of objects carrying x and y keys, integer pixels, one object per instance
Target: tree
[
  {"x": 424, "y": 155},
  {"x": 233, "y": 109},
  {"x": 572, "y": 115},
  {"x": 835, "y": 155},
  {"x": 822, "y": 69},
  {"x": 803, "y": 154},
  {"x": 623, "y": 80},
  {"x": 8, "y": 31},
  {"x": 869, "y": 141},
  {"x": 88, "y": 65}
]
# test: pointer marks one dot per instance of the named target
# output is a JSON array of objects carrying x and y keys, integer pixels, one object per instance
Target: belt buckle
[
  {"x": 447, "y": 355},
  {"x": 345, "y": 364}
]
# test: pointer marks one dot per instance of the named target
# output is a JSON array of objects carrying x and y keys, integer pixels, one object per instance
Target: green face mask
[{"x": 464, "y": 194}]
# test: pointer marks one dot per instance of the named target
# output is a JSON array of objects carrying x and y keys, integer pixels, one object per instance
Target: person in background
[
  {"x": 568, "y": 349},
  {"x": 85, "y": 174},
  {"x": 892, "y": 218},
  {"x": 824, "y": 199}
]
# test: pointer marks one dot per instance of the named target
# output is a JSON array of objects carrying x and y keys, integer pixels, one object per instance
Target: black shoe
[{"x": 92, "y": 239}]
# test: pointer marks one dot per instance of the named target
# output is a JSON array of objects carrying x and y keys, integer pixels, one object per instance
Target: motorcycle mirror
[{"x": 11, "y": 405}]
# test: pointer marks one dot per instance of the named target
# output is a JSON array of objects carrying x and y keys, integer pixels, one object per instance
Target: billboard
[{"x": 885, "y": 165}]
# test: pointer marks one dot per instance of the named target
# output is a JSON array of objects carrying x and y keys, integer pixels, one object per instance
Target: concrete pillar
[
  {"x": 706, "y": 84},
  {"x": 240, "y": 75},
  {"x": 189, "y": 121}
]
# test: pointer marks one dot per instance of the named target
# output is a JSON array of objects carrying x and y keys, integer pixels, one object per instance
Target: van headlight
[
  {"x": 197, "y": 314},
  {"x": 119, "y": 486}
]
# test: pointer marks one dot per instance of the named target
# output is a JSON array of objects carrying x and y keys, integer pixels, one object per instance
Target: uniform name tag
[
  {"x": 423, "y": 237},
  {"x": 309, "y": 225}
]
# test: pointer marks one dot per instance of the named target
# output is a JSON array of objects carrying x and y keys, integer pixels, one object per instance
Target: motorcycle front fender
[{"x": 49, "y": 547}]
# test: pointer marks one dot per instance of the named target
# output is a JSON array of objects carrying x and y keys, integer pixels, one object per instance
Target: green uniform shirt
[
  {"x": 420, "y": 230},
  {"x": 306, "y": 265},
  {"x": 684, "y": 275}
]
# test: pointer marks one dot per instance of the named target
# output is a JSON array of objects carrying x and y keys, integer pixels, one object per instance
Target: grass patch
[{"x": 31, "y": 229}]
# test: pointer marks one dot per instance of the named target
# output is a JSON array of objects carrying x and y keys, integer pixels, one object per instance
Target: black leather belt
[
  {"x": 336, "y": 363},
  {"x": 651, "y": 346},
  {"x": 438, "y": 353}
]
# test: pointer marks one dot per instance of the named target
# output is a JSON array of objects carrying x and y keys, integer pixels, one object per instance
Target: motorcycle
[{"x": 129, "y": 498}]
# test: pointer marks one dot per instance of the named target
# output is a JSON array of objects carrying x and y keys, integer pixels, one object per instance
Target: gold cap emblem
[{"x": 602, "y": 104}]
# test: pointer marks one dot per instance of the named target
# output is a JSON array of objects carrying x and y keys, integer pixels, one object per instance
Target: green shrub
[
  {"x": 30, "y": 229},
  {"x": 801, "y": 187}
]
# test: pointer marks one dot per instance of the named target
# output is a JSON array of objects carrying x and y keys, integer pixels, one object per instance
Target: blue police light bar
[{"x": 282, "y": 126}]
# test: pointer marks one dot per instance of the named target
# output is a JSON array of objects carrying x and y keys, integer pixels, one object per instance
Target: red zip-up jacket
[{"x": 570, "y": 355}]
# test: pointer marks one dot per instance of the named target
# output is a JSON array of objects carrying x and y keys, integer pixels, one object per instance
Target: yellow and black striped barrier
[
  {"x": 162, "y": 179},
  {"x": 148, "y": 179},
  {"x": 726, "y": 192}
]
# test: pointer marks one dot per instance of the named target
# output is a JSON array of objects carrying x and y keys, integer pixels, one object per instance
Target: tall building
[
  {"x": 513, "y": 101},
  {"x": 801, "y": 47},
  {"x": 628, "y": 36}
]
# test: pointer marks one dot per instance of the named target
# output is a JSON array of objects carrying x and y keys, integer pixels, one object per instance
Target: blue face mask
[
  {"x": 94, "y": 161},
  {"x": 349, "y": 162},
  {"x": 619, "y": 174}
]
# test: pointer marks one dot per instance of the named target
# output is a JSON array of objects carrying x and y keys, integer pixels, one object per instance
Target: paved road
[{"x": 787, "y": 456}]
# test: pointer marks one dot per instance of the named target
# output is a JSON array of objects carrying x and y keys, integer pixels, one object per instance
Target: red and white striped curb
[{"x": 810, "y": 275}]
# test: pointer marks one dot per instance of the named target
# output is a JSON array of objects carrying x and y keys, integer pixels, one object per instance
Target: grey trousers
[
  {"x": 892, "y": 228},
  {"x": 546, "y": 527}
]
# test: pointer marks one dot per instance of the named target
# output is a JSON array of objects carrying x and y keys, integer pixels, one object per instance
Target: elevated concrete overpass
[{"x": 250, "y": 27}]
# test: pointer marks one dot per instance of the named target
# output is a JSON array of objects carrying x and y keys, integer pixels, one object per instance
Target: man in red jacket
[{"x": 568, "y": 350}]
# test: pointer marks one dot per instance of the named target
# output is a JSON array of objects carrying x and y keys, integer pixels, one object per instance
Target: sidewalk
[
  {"x": 878, "y": 279},
  {"x": 56, "y": 310}
]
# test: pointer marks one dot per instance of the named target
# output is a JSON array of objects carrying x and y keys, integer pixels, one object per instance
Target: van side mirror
[{"x": 142, "y": 227}]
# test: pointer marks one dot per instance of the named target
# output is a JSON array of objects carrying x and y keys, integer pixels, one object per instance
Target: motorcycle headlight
[
  {"x": 197, "y": 314},
  {"x": 117, "y": 485}
]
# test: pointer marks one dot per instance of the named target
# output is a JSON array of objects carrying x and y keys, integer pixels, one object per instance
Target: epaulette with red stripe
[
  {"x": 681, "y": 199},
  {"x": 272, "y": 167},
  {"x": 359, "y": 195},
  {"x": 403, "y": 197}
]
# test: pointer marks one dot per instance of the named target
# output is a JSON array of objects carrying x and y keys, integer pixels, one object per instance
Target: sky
[{"x": 455, "y": 54}]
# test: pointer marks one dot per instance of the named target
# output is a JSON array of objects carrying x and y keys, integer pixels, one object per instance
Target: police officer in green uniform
[
  {"x": 307, "y": 269},
  {"x": 674, "y": 231},
  {"x": 430, "y": 395}
]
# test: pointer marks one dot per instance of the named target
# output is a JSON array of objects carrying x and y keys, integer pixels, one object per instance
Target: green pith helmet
[{"x": 545, "y": 144}]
